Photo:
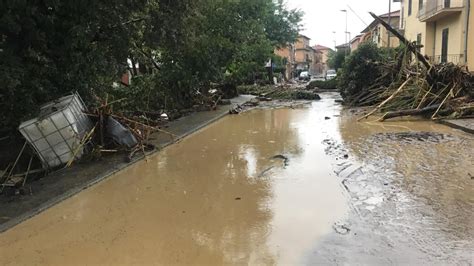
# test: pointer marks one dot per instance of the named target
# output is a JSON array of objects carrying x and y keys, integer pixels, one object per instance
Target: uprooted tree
[{"x": 405, "y": 82}]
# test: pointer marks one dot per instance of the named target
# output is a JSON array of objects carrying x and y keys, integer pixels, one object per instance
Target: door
[
  {"x": 447, "y": 3},
  {"x": 444, "y": 46}
]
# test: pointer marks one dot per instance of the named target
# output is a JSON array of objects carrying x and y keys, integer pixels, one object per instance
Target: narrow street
[{"x": 302, "y": 185}]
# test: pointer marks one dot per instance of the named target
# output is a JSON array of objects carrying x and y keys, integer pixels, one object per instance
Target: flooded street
[{"x": 286, "y": 186}]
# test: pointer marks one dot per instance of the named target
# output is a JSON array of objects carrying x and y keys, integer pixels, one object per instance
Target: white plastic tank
[{"x": 57, "y": 133}]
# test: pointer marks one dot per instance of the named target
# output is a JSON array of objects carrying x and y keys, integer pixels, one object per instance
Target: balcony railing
[
  {"x": 450, "y": 58},
  {"x": 433, "y": 9}
]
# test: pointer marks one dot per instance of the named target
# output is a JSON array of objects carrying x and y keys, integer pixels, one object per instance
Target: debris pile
[
  {"x": 406, "y": 88},
  {"x": 114, "y": 132},
  {"x": 65, "y": 132},
  {"x": 279, "y": 92}
]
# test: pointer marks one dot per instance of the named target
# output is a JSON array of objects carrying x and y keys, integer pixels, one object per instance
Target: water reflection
[{"x": 216, "y": 197}]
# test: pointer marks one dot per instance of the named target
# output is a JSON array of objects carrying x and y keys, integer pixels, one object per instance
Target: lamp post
[
  {"x": 345, "y": 32},
  {"x": 335, "y": 42},
  {"x": 350, "y": 39}
]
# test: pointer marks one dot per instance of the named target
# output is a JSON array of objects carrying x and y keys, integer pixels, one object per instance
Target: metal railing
[
  {"x": 450, "y": 58},
  {"x": 433, "y": 7}
]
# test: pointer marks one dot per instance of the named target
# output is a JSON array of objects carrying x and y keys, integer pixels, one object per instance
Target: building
[
  {"x": 470, "y": 38},
  {"x": 343, "y": 47},
  {"x": 442, "y": 28},
  {"x": 300, "y": 56},
  {"x": 288, "y": 53},
  {"x": 356, "y": 41},
  {"x": 305, "y": 55},
  {"x": 324, "y": 53},
  {"x": 377, "y": 33}
]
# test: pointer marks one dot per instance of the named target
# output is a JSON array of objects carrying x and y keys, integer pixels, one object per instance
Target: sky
[{"x": 322, "y": 18}]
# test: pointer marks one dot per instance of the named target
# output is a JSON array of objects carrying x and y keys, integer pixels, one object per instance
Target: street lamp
[
  {"x": 350, "y": 39},
  {"x": 345, "y": 11}
]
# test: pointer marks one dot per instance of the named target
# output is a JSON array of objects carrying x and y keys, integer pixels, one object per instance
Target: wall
[
  {"x": 302, "y": 42},
  {"x": 455, "y": 37},
  {"x": 413, "y": 26},
  {"x": 394, "y": 41},
  {"x": 287, "y": 53},
  {"x": 470, "y": 48}
]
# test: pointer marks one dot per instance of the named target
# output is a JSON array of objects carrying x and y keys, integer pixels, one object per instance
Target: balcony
[
  {"x": 450, "y": 58},
  {"x": 436, "y": 9}
]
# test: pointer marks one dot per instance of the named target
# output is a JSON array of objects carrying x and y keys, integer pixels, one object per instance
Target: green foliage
[
  {"x": 51, "y": 48},
  {"x": 361, "y": 68},
  {"x": 336, "y": 59},
  {"x": 324, "y": 85}
]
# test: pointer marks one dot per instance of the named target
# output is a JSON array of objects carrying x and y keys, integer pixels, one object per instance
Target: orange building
[{"x": 324, "y": 53}]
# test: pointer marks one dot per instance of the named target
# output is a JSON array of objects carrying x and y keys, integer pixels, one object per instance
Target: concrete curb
[{"x": 466, "y": 125}]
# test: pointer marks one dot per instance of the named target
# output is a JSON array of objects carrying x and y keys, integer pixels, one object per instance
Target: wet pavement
[{"x": 299, "y": 185}]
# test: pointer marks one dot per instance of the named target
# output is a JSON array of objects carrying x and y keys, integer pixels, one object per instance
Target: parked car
[
  {"x": 305, "y": 76},
  {"x": 331, "y": 74}
]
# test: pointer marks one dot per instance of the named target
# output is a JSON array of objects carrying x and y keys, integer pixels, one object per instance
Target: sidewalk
[
  {"x": 466, "y": 125},
  {"x": 65, "y": 183}
]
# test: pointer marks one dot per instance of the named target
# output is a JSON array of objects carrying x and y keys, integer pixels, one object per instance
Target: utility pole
[
  {"x": 389, "y": 19},
  {"x": 345, "y": 32}
]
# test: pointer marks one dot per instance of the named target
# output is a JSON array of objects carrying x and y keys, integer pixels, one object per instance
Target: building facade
[
  {"x": 356, "y": 41},
  {"x": 377, "y": 33},
  {"x": 304, "y": 54},
  {"x": 289, "y": 55},
  {"x": 442, "y": 28},
  {"x": 300, "y": 56},
  {"x": 324, "y": 53}
]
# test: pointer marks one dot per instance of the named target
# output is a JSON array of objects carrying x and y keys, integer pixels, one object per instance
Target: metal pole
[
  {"x": 346, "y": 32},
  {"x": 389, "y": 19}
]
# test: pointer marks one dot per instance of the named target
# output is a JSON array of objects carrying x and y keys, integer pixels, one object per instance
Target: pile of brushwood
[
  {"x": 407, "y": 85},
  {"x": 279, "y": 92},
  {"x": 323, "y": 85},
  {"x": 115, "y": 131}
]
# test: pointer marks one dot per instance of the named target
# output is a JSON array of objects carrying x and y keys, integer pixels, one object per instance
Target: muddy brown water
[{"x": 273, "y": 186}]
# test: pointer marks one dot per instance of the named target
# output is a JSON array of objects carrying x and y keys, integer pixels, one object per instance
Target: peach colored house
[
  {"x": 379, "y": 35},
  {"x": 444, "y": 29},
  {"x": 287, "y": 53},
  {"x": 304, "y": 53},
  {"x": 300, "y": 56},
  {"x": 356, "y": 41},
  {"x": 324, "y": 52}
]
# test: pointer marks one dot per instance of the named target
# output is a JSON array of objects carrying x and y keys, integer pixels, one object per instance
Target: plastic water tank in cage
[{"x": 57, "y": 133}]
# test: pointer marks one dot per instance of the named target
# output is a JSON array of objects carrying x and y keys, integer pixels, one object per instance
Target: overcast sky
[{"x": 323, "y": 17}]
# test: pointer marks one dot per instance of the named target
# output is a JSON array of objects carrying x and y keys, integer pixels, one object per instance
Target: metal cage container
[{"x": 57, "y": 133}]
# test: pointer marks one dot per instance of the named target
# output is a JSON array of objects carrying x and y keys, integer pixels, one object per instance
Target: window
[
  {"x": 444, "y": 45},
  {"x": 418, "y": 42},
  {"x": 378, "y": 35},
  {"x": 409, "y": 7},
  {"x": 420, "y": 5}
]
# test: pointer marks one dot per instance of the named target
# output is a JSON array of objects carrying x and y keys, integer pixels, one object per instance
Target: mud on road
[
  {"x": 410, "y": 190},
  {"x": 304, "y": 184}
]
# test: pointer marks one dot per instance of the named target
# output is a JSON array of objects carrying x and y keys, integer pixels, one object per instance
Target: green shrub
[
  {"x": 324, "y": 85},
  {"x": 362, "y": 68}
]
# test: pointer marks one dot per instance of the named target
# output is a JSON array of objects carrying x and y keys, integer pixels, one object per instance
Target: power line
[{"x": 357, "y": 15}]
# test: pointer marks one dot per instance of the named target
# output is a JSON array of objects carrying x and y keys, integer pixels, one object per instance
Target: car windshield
[{"x": 330, "y": 72}]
